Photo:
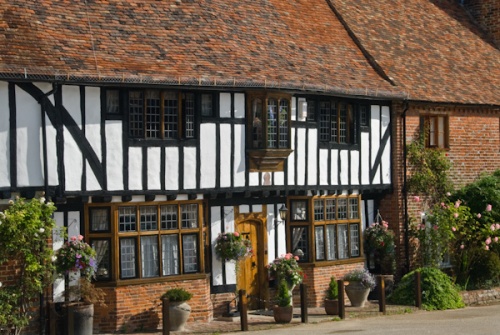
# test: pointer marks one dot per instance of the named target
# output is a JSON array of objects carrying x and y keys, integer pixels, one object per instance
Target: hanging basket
[{"x": 232, "y": 247}]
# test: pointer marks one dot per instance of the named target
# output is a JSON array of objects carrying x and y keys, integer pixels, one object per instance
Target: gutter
[{"x": 405, "y": 192}]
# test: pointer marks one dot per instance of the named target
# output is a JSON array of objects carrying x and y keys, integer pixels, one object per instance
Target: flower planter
[
  {"x": 178, "y": 314},
  {"x": 357, "y": 293},
  {"x": 283, "y": 314},
  {"x": 83, "y": 319},
  {"x": 332, "y": 307}
]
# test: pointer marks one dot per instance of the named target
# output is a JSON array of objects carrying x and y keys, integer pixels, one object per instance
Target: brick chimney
[{"x": 487, "y": 15}]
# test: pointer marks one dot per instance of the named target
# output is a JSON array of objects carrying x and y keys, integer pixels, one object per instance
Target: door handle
[{"x": 254, "y": 264}]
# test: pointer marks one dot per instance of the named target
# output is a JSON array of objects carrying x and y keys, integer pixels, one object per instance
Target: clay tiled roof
[
  {"x": 297, "y": 43},
  {"x": 429, "y": 47}
]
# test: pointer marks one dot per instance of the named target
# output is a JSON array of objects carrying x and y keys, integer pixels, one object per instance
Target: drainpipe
[
  {"x": 405, "y": 191},
  {"x": 41, "y": 101}
]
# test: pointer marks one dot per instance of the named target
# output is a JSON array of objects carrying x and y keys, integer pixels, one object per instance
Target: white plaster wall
[
  {"x": 344, "y": 167},
  {"x": 365, "y": 158},
  {"x": 279, "y": 178},
  {"x": 239, "y": 156},
  {"x": 225, "y": 105},
  {"x": 225, "y": 156},
  {"x": 334, "y": 157},
  {"x": 271, "y": 233},
  {"x": 291, "y": 159},
  {"x": 93, "y": 130},
  {"x": 253, "y": 178},
  {"x": 135, "y": 168},
  {"x": 312, "y": 157},
  {"x": 208, "y": 153},
  {"x": 375, "y": 140},
  {"x": 114, "y": 155},
  {"x": 172, "y": 168},
  {"x": 229, "y": 227},
  {"x": 215, "y": 229},
  {"x": 301, "y": 157},
  {"x": 386, "y": 155},
  {"x": 239, "y": 105},
  {"x": 4, "y": 136},
  {"x": 189, "y": 168},
  {"x": 323, "y": 167},
  {"x": 354, "y": 167},
  {"x": 154, "y": 168},
  {"x": 73, "y": 163},
  {"x": 29, "y": 144}
]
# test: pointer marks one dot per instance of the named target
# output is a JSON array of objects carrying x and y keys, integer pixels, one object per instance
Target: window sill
[{"x": 268, "y": 160}]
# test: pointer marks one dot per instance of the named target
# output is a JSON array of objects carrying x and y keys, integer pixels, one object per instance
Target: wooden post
[
  {"x": 52, "y": 317},
  {"x": 242, "y": 294},
  {"x": 418, "y": 290},
  {"x": 341, "y": 299},
  {"x": 303, "y": 303},
  {"x": 71, "y": 320},
  {"x": 165, "y": 318},
  {"x": 381, "y": 294}
]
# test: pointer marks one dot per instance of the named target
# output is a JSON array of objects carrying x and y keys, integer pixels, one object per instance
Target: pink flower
[
  {"x": 492, "y": 227},
  {"x": 487, "y": 248},
  {"x": 296, "y": 258},
  {"x": 73, "y": 238},
  {"x": 457, "y": 203},
  {"x": 488, "y": 208},
  {"x": 443, "y": 205},
  {"x": 497, "y": 226},
  {"x": 435, "y": 227},
  {"x": 385, "y": 224},
  {"x": 236, "y": 234},
  {"x": 288, "y": 256},
  {"x": 80, "y": 237},
  {"x": 496, "y": 239},
  {"x": 455, "y": 215},
  {"x": 416, "y": 198},
  {"x": 453, "y": 228},
  {"x": 488, "y": 241},
  {"x": 462, "y": 246},
  {"x": 478, "y": 215}
]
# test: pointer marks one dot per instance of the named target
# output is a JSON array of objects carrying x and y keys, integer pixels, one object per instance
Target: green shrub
[
  {"x": 438, "y": 291},
  {"x": 177, "y": 294},
  {"x": 283, "y": 297},
  {"x": 485, "y": 272},
  {"x": 333, "y": 289}
]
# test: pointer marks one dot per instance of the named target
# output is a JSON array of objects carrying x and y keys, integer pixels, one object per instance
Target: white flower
[
  {"x": 41, "y": 230},
  {"x": 54, "y": 258},
  {"x": 42, "y": 200},
  {"x": 0, "y": 284}
]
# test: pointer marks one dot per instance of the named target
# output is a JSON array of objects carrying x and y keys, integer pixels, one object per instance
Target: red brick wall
[{"x": 487, "y": 14}]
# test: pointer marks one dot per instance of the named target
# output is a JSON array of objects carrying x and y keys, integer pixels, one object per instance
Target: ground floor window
[
  {"x": 145, "y": 240},
  {"x": 325, "y": 228}
]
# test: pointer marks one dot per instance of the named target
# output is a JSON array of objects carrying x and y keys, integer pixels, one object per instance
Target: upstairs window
[
  {"x": 336, "y": 122},
  {"x": 436, "y": 130}
]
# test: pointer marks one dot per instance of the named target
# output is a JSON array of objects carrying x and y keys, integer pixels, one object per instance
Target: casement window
[
  {"x": 159, "y": 114},
  {"x": 333, "y": 223},
  {"x": 336, "y": 120},
  {"x": 140, "y": 241},
  {"x": 436, "y": 130}
]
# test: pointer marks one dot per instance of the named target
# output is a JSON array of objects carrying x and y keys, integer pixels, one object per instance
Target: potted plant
[
  {"x": 179, "y": 310},
  {"x": 286, "y": 267},
  {"x": 361, "y": 282},
  {"x": 332, "y": 297},
  {"x": 232, "y": 246},
  {"x": 283, "y": 310},
  {"x": 379, "y": 247}
]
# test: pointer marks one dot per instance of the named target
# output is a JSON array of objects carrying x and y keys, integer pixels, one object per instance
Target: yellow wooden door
[{"x": 250, "y": 269}]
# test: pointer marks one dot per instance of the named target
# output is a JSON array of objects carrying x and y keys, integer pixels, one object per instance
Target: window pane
[
  {"x": 152, "y": 114},
  {"x": 363, "y": 115},
  {"x": 257, "y": 124},
  {"x": 99, "y": 219},
  {"x": 299, "y": 210},
  {"x": 283, "y": 124},
  {"x": 103, "y": 260},
  {"x": 170, "y": 254},
  {"x": 136, "y": 114},
  {"x": 112, "y": 102},
  {"x": 311, "y": 110},
  {"x": 331, "y": 242},
  {"x": 272, "y": 124},
  {"x": 330, "y": 209},
  {"x": 189, "y": 214},
  {"x": 127, "y": 258},
  {"x": 149, "y": 256},
  {"x": 343, "y": 123},
  {"x": 343, "y": 241},
  {"x": 207, "y": 105},
  {"x": 354, "y": 240},
  {"x": 188, "y": 105},
  {"x": 318, "y": 210},
  {"x": 170, "y": 112},
  {"x": 334, "y": 125},
  {"x": 342, "y": 208},
  {"x": 126, "y": 219},
  {"x": 299, "y": 241},
  {"x": 169, "y": 217},
  {"x": 320, "y": 243},
  {"x": 441, "y": 132},
  {"x": 149, "y": 218},
  {"x": 190, "y": 253},
  {"x": 353, "y": 208},
  {"x": 324, "y": 121}
]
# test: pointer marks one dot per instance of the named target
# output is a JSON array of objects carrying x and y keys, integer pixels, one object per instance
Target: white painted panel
[
  {"x": 239, "y": 105},
  {"x": 293, "y": 112},
  {"x": 51, "y": 153},
  {"x": 93, "y": 130},
  {"x": 154, "y": 168},
  {"x": 74, "y": 224},
  {"x": 215, "y": 229},
  {"x": 323, "y": 167},
  {"x": 291, "y": 160},
  {"x": 225, "y": 156},
  {"x": 57, "y": 242},
  {"x": 375, "y": 140},
  {"x": 225, "y": 105},
  {"x": 271, "y": 234},
  {"x": 335, "y": 167},
  {"x": 229, "y": 227},
  {"x": 135, "y": 168},
  {"x": 253, "y": 178},
  {"x": 244, "y": 209},
  {"x": 257, "y": 208},
  {"x": 114, "y": 155},
  {"x": 208, "y": 153},
  {"x": 386, "y": 155},
  {"x": 354, "y": 167},
  {"x": 172, "y": 168},
  {"x": 71, "y": 101},
  {"x": 239, "y": 156},
  {"x": 279, "y": 178},
  {"x": 301, "y": 157},
  {"x": 4, "y": 136},
  {"x": 312, "y": 157},
  {"x": 73, "y": 163},
  {"x": 344, "y": 167},
  {"x": 29, "y": 144},
  {"x": 365, "y": 158},
  {"x": 189, "y": 168}
]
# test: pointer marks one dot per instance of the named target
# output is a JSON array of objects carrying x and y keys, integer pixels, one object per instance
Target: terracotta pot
[
  {"x": 283, "y": 314},
  {"x": 178, "y": 314},
  {"x": 332, "y": 307},
  {"x": 357, "y": 293}
]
